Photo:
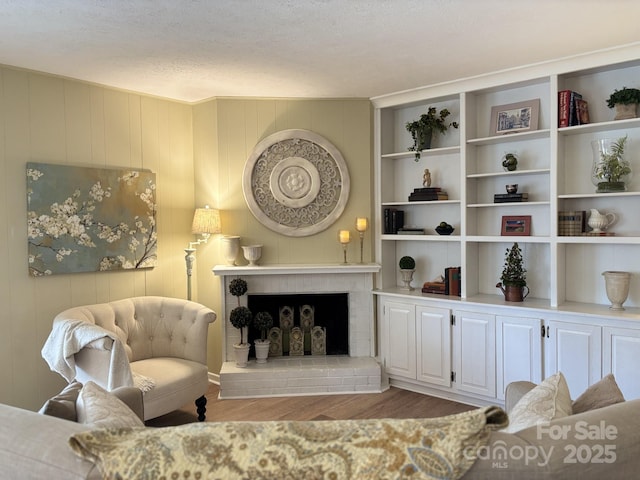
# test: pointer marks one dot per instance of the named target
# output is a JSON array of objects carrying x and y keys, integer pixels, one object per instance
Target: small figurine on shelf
[{"x": 426, "y": 178}]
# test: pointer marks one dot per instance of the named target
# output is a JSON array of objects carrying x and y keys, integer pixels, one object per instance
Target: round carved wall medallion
[{"x": 296, "y": 183}]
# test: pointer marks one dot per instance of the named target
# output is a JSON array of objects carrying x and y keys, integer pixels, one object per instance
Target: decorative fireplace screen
[{"x": 304, "y": 324}]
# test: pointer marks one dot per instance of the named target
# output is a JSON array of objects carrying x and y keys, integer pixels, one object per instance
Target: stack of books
[
  {"x": 510, "y": 197},
  {"x": 410, "y": 231},
  {"x": 452, "y": 281},
  {"x": 572, "y": 109},
  {"x": 571, "y": 222},
  {"x": 427, "y": 194},
  {"x": 450, "y": 286},
  {"x": 393, "y": 220},
  {"x": 433, "y": 287}
]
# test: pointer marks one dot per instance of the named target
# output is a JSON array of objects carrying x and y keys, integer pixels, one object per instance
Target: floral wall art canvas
[{"x": 84, "y": 219}]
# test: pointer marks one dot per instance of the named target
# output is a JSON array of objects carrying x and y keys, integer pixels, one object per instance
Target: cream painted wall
[
  {"x": 226, "y": 131},
  {"x": 197, "y": 152},
  {"x": 49, "y": 119}
]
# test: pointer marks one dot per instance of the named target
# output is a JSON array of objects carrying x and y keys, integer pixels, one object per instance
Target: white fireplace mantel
[
  {"x": 296, "y": 269},
  {"x": 354, "y": 373}
]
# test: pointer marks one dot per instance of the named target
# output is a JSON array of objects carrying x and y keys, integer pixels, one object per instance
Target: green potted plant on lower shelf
[
  {"x": 262, "y": 322},
  {"x": 407, "y": 266},
  {"x": 625, "y": 102},
  {"x": 422, "y": 130},
  {"x": 513, "y": 281}
]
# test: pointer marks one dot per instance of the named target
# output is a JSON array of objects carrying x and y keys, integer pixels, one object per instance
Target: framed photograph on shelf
[
  {"x": 515, "y": 117},
  {"x": 516, "y": 225}
]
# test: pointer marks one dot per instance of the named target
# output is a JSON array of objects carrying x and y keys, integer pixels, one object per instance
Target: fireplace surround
[{"x": 354, "y": 372}]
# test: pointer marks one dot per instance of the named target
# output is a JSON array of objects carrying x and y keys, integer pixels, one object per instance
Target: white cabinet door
[
  {"x": 400, "y": 339},
  {"x": 475, "y": 347},
  {"x": 433, "y": 334},
  {"x": 575, "y": 350},
  {"x": 621, "y": 356},
  {"x": 518, "y": 351}
]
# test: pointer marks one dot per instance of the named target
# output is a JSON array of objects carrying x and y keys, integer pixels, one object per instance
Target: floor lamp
[{"x": 206, "y": 221}]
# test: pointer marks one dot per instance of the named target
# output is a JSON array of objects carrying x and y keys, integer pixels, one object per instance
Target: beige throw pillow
[
  {"x": 96, "y": 406},
  {"x": 63, "y": 405},
  {"x": 601, "y": 394},
  {"x": 547, "y": 401}
]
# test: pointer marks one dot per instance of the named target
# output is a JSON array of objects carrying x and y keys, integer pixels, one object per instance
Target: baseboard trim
[{"x": 214, "y": 378}]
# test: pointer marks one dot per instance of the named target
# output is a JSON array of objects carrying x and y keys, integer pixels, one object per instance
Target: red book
[{"x": 564, "y": 102}]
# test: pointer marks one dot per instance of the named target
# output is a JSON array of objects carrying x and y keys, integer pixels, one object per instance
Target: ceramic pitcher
[{"x": 601, "y": 221}]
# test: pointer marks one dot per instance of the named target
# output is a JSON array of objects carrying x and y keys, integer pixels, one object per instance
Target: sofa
[
  {"x": 156, "y": 343},
  {"x": 35, "y": 446}
]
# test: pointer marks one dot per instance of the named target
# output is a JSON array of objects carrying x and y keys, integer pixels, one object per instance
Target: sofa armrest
[
  {"x": 593, "y": 445},
  {"x": 514, "y": 392},
  {"x": 132, "y": 397}
]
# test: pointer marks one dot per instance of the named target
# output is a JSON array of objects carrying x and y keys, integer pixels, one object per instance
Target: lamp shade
[{"x": 206, "y": 220}]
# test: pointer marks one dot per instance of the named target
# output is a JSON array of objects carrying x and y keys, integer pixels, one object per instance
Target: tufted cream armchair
[{"x": 156, "y": 343}]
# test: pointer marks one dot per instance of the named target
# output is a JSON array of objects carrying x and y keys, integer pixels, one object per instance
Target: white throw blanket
[{"x": 68, "y": 337}]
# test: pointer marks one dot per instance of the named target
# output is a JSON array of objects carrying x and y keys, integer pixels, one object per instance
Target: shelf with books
[
  {"x": 508, "y": 204},
  {"x": 554, "y": 169},
  {"x": 427, "y": 237}
]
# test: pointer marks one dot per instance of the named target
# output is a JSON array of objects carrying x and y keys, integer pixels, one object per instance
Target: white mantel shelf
[{"x": 296, "y": 269}]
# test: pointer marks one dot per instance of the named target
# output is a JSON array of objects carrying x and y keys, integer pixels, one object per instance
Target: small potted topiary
[
  {"x": 510, "y": 161},
  {"x": 263, "y": 321},
  {"x": 625, "y": 102},
  {"x": 407, "y": 267},
  {"x": 422, "y": 130},
  {"x": 514, "y": 276},
  {"x": 240, "y": 317}
]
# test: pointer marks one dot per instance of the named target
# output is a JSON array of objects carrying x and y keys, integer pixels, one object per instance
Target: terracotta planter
[{"x": 513, "y": 293}]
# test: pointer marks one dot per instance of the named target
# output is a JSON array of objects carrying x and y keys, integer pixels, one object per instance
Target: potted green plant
[
  {"x": 625, "y": 102},
  {"x": 510, "y": 161},
  {"x": 514, "y": 276},
  {"x": 610, "y": 170},
  {"x": 407, "y": 267},
  {"x": 240, "y": 317},
  {"x": 422, "y": 130},
  {"x": 263, "y": 321}
]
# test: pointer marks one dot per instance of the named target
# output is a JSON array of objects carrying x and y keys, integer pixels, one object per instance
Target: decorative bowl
[
  {"x": 444, "y": 230},
  {"x": 252, "y": 253},
  {"x": 512, "y": 188}
]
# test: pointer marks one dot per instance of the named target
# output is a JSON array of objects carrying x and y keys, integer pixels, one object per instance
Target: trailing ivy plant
[{"x": 422, "y": 129}]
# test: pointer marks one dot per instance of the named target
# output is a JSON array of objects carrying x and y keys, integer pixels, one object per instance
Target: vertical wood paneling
[{"x": 43, "y": 118}]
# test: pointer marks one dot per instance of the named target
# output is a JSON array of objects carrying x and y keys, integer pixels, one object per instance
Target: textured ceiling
[{"x": 191, "y": 50}]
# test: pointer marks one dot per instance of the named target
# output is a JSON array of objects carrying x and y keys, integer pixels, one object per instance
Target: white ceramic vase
[
  {"x": 617, "y": 285},
  {"x": 252, "y": 253},
  {"x": 230, "y": 245},
  {"x": 262, "y": 350}
]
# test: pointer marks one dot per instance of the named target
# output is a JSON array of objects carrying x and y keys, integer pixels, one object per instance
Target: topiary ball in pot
[
  {"x": 407, "y": 263},
  {"x": 263, "y": 321},
  {"x": 240, "y": 317}
]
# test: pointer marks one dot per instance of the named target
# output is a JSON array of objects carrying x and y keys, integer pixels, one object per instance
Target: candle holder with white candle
[
  {"x": 345, "y": 237},
  {"x": 361, "y": 226}
]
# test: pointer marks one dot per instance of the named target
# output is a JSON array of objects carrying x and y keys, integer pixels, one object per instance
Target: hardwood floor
[{"x": 393, "y": 403}]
